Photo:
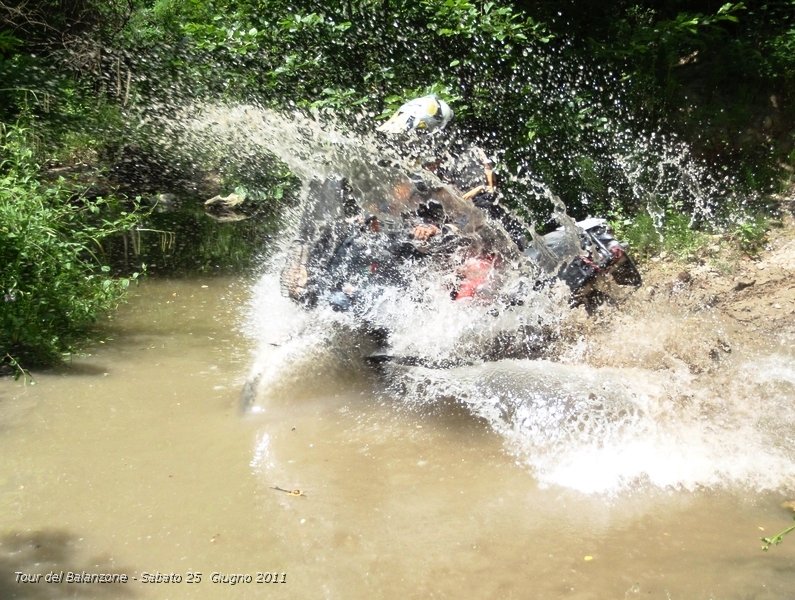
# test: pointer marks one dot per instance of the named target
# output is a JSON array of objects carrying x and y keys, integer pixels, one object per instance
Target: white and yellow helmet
[{"x": 428, "y": 113}]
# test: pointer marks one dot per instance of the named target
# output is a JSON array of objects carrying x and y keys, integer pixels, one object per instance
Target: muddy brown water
[{"x": 136, "y": 461}]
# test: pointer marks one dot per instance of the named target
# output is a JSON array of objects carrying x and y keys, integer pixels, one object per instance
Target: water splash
[
  {"x": 604, "y": 430},
  {"x": 569, "y": 420}
]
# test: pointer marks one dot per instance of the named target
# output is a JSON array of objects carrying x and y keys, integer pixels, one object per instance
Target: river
[{"x": 137, "y": 460}]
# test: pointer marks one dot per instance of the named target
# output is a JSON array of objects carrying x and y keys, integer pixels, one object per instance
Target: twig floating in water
[{"x": 290, "y": 492}]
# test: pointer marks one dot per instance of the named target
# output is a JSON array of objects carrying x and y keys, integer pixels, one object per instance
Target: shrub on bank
[{"x": 54, "y": 282}]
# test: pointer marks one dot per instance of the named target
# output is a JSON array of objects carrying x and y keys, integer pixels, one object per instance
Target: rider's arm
[
  {"x": 491, "y": 180},
  {"x": 488, "y": 169},
  {"x": 473, "y": 192}
]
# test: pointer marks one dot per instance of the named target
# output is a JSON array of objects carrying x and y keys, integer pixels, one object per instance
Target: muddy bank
[{"x": 695, "y": 315}]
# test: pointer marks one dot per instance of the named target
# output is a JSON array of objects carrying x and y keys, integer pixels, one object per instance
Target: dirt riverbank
[{"x": 696, "y": 314}]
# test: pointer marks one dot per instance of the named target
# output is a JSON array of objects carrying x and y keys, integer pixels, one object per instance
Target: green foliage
[
  {"x": 54, "y": 282},
  {"x": 671, "y": 233},
  {"x": 641, "y": 234},
  {"x": 781, "y": 50},
  {"x": 8, "y": 42},
  {"x": 674, "y": 234},
  {"x": 680, "y": 238},
  {"x": 751, "y": 234},
  {"x": 349, "y": 54},
  {"x": 17, "y": 369},
  {"x": 542, "y": 83}
]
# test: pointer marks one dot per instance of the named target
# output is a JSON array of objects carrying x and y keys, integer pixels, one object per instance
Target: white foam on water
[{"x": 605, "y": 430}]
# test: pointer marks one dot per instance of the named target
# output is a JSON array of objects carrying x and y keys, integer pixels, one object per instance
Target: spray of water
[
  {"x": 571, "y": 420},
  {"x": 602, "y": 430}
]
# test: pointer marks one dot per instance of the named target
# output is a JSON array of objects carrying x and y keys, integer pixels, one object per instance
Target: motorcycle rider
[
  {"x": 430, "y": 114},
  {"x": 338, "y": 260}
]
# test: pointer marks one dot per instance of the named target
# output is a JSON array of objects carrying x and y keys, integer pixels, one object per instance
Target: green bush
[
  {"x": 54, "y": 283},
  {"x": 641, "y": 234},
  {"x": 751, "y": 234},
  {"x": 670, "y": 232}
]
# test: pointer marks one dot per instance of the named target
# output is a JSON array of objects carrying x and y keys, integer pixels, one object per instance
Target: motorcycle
[
  {"x": 351, "y": 254},
  {"x": 599, "y": 255}
]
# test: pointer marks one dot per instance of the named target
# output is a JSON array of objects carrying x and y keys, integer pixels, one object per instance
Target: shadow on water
[
  {"x": 51, "y": 551},
  {"x": 184, "y": 239},
  {"x": 79, "y": 368}
]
